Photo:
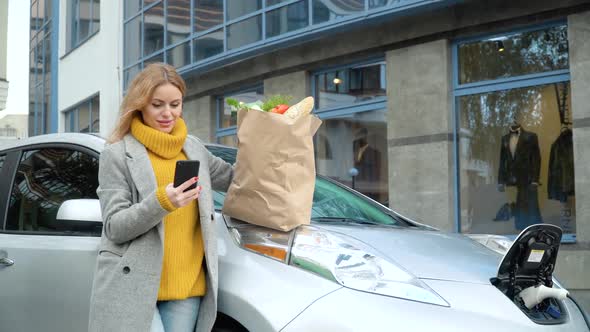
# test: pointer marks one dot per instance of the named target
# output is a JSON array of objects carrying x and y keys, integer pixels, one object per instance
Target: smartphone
[{"x": 186, "y": 169}]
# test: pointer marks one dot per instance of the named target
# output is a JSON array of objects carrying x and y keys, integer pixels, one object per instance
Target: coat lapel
[
  {"x": 140, "y": 166},
  {"x": 141, "y": 170},
  {"x": 521, "y": 137},
  {"x": 193, "y": 153}
]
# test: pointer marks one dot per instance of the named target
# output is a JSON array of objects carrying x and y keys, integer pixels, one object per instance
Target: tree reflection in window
[{"x": 514, "y": 54}]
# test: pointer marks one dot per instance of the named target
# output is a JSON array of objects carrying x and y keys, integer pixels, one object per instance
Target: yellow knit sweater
[{"x": 183, "y": 273}]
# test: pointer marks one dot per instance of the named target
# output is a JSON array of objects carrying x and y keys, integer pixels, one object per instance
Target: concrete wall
[
  {"x": 419, "y": 131},
  {"x": 294, "y": 84},
  {"x": 93, "y": 67},
  {"x": 199, "y": 115}
]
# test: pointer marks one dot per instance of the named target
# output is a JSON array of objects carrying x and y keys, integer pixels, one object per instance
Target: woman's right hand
[{"x": 178, "y": 197}]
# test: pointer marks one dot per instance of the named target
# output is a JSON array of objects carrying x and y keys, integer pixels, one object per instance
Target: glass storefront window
[
  {"x": 352, "y": 149},
  {"x": 324, "y": 11},
  {"x": 153, "y": 29},
  {"x": 236, "y": 9},
  {"x": 516, "y": 159},
  {"x": 514, "y": 54},
  {"x": 208, "y": 45},
  {"x": 133, "y": 35},
  {"x": 286, "y": 19},
  {"x": 156, "y": 58},
  {"x": 129, "y": 74},
  {"x": 227, "y": 118},
  {"x": 84, "y": 117},
  {"x": 208, "y": 14},
  {"x": 381, "y": 3},
  {"x": 244, "y": 32},
  {"x": 178, "y": 22},
  {"x": 180, "y": 55},
  {"x": 95, "y": 115},
  {"x": 131, "y": 7},
  {"x": 351, "y": 85}
]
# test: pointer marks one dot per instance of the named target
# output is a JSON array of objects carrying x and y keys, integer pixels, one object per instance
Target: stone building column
[
  {"x": 573, "y": 261},
  {"x": 420, "y": 132},
  {"x": 199, "y": 115}
]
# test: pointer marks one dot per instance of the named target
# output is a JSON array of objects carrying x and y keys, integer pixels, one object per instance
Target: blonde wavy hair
[{"x": 140, "y": 93}]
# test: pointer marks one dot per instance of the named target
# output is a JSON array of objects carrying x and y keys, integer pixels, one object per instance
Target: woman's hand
[{"x": 178, "y": 197}]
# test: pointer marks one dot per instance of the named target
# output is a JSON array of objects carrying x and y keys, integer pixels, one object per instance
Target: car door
[{"x": 46, "y": 264}]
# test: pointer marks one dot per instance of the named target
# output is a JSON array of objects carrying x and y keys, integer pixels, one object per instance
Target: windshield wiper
[{"x": 346, "y": 220}]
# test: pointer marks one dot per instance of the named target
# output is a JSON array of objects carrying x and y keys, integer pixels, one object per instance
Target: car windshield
[{"x": 332, "y": 202}]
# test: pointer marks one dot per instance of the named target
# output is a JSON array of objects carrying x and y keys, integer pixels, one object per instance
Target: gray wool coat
[{"x": 129, "y": 263}]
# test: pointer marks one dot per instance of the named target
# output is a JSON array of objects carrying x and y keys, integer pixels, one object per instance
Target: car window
[
  {"x": 330, "y": 200},
  {"x": 45, "y": 179}
]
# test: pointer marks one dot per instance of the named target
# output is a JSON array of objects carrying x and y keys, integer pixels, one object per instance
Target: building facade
[
  {"x": 470, "y": 116},
  {"x": 13, "y": 126}
]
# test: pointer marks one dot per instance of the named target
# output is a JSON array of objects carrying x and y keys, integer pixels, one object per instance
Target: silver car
[{"x": 359, "y": 266}]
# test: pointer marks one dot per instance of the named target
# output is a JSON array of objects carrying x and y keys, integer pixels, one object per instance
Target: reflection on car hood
[{"x": 428, "y": 254}]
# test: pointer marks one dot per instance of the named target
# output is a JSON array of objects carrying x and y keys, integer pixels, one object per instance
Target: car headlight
[{"x": 337, "y": 257}]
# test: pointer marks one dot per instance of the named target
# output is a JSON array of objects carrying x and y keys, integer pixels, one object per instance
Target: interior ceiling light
[
  {"x": 500, "y": 46},
  {"x": 337, "y": 80}
]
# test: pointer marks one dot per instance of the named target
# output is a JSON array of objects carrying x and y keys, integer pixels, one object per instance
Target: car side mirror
[
  {"x": 80, "y": 217},
  {"x": 80, "y": 210}
]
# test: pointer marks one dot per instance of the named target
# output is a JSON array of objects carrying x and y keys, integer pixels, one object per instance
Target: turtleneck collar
[{"x": 163, "y": 144}]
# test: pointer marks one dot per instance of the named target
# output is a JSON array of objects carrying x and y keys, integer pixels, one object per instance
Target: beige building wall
[{"x": 14, "y": 126}]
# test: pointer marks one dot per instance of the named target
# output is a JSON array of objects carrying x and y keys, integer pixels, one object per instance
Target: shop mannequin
[
  {"x": 367, "y": 160},
  {"x": 520, "y": 166}
]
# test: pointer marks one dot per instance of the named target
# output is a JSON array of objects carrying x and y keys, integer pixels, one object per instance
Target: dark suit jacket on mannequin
[
  {"x": 522, "y": 171},
  {"x": 525, "y": 167}
]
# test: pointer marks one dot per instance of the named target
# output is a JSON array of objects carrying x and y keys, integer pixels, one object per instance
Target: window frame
[
  {"x": 7, "y": 178},
  {"x": 331, "y": 112},
  {"x": 266, "y": 42},
  {"x": 73, "y": 25},
  {"x": 232, "y": 130},
  {"x": 494, "y": 85},
  {"x": 75, "y": 110}
]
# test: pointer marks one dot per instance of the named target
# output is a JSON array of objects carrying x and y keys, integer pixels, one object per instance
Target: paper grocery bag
[{"x": 274, "y": 175}]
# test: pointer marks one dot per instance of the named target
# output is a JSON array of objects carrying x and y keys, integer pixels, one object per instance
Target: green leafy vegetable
[{"x": 274, "y": 101}]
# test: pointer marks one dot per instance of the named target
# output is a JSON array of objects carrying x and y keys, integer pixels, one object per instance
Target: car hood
[{"x": 428, "y": 254}]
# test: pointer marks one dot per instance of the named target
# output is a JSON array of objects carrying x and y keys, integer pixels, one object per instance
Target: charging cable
[{"x": 581, "y": 310}]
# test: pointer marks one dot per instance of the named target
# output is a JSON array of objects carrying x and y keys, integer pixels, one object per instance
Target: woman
[{"x": 157, "y": 262}]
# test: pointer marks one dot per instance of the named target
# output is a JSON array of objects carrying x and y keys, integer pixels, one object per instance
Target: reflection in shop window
[
  {"x": 226, "y": 116},
  {"x": 514, "y": 54},
  {"x": 327, "y": 10},
  {"x": 84, "y": 117},
  {"x": 208, "y": 14},
  {"x": 516, "y": 159},
  {"x": 352, "y": 149},
  {"x": 153, "y": 29},
  {"x": 286, "y": 19},
  {"x": 356, "y": 84}
]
